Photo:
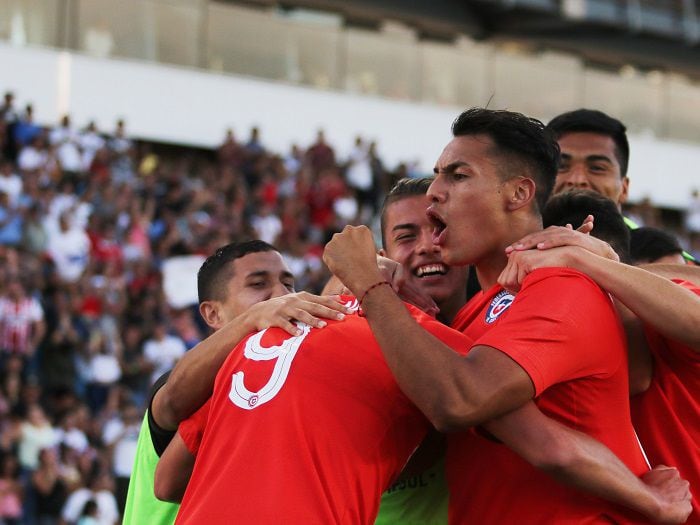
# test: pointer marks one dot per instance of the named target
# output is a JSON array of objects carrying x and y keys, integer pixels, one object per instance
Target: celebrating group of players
[{"x": 537, "y": 376}]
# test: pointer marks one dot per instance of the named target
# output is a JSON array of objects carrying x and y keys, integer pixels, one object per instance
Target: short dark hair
[
  {"x": 572, "y": 207},
  {"x": 650, "y": 244},
  {"x": 216, "y": 270},
  {"x": 404, "y": 188},
  {"x": 525, "y": 142},
  {"x": 593, "y": 121}
]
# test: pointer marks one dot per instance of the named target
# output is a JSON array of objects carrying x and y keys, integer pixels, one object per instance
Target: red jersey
[
  {"x": 308, "y": 429},
  {"x": 667, "y": 414},
  {"x": 562, "y": 329}
]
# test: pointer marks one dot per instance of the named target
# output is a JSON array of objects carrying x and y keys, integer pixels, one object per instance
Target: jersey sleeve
[
  {"x": 191, "y": 430},
  {"x": 559, "y": 328}
]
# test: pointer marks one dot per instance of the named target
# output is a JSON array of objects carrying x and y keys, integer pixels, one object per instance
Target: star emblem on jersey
[{"x": 498, "y": 305}]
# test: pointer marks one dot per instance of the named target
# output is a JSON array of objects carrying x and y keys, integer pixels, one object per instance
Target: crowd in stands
[{"x": 87, "y": 221}]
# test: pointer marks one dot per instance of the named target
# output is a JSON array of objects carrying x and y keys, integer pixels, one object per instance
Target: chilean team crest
[{"x": 498, "y": 305}]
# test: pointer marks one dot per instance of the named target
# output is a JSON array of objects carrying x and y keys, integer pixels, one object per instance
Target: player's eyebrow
[
  {"x": 405, "y": 226},
  {"x": 259, "y": 273},
  {"x": 599, "y": 158},
  {"x": 451, "y": 166}
]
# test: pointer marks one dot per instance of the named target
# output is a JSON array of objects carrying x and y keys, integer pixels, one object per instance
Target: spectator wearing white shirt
[
  {"x": 36, "y": 433},
  {"x": 65, "y": 141},
  {"x": 10, "y": 183},
  {"x": 162, "y": 350},
  {"x": 69, "y": 248},
  {"x": 99, "y": 489},
  {"x": 90, "y": 142}
]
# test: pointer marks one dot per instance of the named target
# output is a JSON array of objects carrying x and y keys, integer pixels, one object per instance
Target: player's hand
[
  {"x": 521, "y": 263},
  {"x": 671, "y": 492},
  {"x": 351, "y": 256},
  {"x": 395, "y": 273},
  {"x": 556, "y": 236},
  {"x": 302, "y": 306}
]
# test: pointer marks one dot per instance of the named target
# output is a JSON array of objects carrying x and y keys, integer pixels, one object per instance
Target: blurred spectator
[
  {"x": 9, "y": 117},
  {"x": 69, "y": 434},
  {"x": 122, "y": 149},
  {"x": 21, "y": 322},
  {"x": 26, "y": 130},
  {"x": 69, "y": 249},
  {"x": 254, "y": 147},
  {"x": 90, "y": 142},
  {"x": 136, "y": 369},
  {"x": 320, "y": 155},
  {"x": 359, "y": 176},
  {"x": 98, "y": 490},
  {"x": 35, "y": 238},
  {"x": 34, "y": 156},
  {"x": 10, "y": 491},
  {"x": 230, "y": 152},
  {"x": 10, "y": 182},
  {"x": 121, "y": 436},
  {"x": 162, "y": 350},
  {"x": 49, "y": 487},
  {"x": 103, "y": 371},
  {"x": 35, "y": 434},
  {"x": 64, "y": 139},
  {"x": 10, "y": 222},
  {"x": 266, "y": 224}
]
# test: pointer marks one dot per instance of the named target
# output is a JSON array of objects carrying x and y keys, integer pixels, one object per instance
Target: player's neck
[
  {"x": 490, "y": 267},
  {"x": 450, "y": 307}
]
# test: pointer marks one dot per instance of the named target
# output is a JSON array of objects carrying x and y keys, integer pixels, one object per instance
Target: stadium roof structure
[{"x": 648, "y": 34}]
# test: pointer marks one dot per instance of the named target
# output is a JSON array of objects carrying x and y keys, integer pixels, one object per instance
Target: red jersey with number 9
[{"x": 308, "y": 429}]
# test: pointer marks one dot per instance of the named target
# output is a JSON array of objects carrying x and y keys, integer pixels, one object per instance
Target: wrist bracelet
[{"x": 375, "y": 285}]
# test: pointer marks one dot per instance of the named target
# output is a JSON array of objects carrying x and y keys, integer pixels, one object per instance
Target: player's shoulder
[{"x": 559, "y": 279}]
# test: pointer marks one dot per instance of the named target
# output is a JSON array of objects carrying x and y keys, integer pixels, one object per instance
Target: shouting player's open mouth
[{"x": 439, "y": 227}]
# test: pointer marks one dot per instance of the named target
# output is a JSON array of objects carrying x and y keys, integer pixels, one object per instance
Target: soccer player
[
  {"x": 304, "y": 429},
  {"x": 661, "y": 325},
  {"x": 243, "y": 287},
  {"x": 594, "y": 156},
  {"x": 558, "y": 341}
]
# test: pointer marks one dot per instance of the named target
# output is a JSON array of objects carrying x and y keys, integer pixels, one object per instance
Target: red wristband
[{"x": 375, "y": 285}]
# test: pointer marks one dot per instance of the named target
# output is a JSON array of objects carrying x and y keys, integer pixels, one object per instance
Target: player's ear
[
  {"x": 382, "y": 252},
  {"x": 521, "y": 192},
  {"x": 209, "y": 310}
]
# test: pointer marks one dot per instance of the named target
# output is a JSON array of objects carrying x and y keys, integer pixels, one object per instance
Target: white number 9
[{"x": 283, "y": 353}]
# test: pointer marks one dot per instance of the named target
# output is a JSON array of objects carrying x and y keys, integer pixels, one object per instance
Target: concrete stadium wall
[{"x": 188, "y": 106}]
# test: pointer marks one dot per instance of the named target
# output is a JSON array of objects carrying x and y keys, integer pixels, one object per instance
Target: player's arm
[
  {"x": 173, "y": 471},
  {"x": 671, "y": 309},
  {"x": 578, "y": 460},
  {"x": 192, "y": 380},
  {"x": 453, "y": 391}
]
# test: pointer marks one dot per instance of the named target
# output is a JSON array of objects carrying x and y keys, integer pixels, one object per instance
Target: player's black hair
[
  {"x": 572, "y": 207},
  {"x": 593, "y": 121},
  {"x": 650, "y": 244},
  {"x": 405, "y": 187},
  {"x": 524, "y": 142},
  {"x": 216, "y": 271}
]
